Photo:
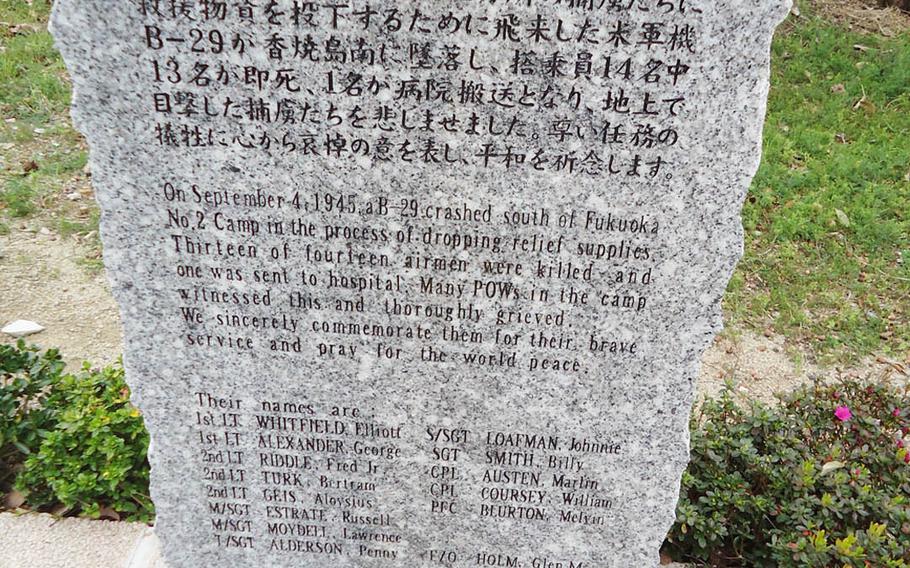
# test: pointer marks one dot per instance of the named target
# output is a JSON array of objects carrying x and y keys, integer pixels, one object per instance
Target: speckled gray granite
[{"x": 418, "y": 282}]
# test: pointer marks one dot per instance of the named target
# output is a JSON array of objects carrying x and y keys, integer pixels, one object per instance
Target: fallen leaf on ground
[
  {"x": 865, "y": 104},
  {"x": 842, "y": 218},
  {"x": 13, "y": 500},
  {"x": 59, "y": 510},
  {"x": 108, "y": 514}
]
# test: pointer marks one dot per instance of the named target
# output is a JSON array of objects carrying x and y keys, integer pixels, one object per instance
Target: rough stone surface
[
  {"x": 407, "y": 283},
  {"x": 22, "y": 328}
]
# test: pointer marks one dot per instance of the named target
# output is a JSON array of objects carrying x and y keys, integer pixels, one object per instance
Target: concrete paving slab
[{"x": 42, "y": 541}]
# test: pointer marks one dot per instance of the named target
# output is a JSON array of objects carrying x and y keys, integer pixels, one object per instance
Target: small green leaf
[
  {"x": 842, "y": 218},
  {"x": 832, "y": 466}
]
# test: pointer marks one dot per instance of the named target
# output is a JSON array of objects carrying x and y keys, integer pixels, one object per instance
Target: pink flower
[
  {"x": 907, "y": 458},
  {"x": 896, "y": 413},
  {"x": 900, "y": 443},
  {"x": 843, "y": 413}
]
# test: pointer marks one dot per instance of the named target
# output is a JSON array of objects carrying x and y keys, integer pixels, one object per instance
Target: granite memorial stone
[{"x": 418, "y": 283}]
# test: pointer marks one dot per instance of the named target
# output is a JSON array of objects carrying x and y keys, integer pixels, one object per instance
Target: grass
[
  {"x": 41, "y": 156},
  {"x": 828, "y": 219},
  {"x": 828, "y": 216}
]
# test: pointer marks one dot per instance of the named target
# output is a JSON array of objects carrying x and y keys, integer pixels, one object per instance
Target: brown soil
[
  {"x": 758, "y": 366},
  {"x": 867, "y": 16},
  {"x": 43, "y": 279},
  {"x": 899, "y": 4}
]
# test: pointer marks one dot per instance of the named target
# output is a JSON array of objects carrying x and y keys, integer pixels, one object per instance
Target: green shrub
[
  {"x": 801, "y": 484},
  {"x": 26, "y": 375},
  {"x": 95, "y": 456},
  {"x": 805, "y": 484}
]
